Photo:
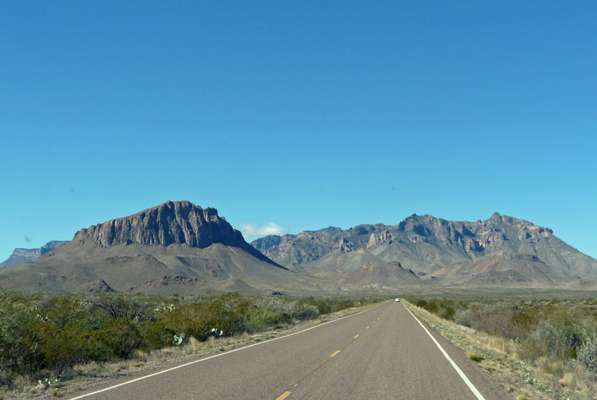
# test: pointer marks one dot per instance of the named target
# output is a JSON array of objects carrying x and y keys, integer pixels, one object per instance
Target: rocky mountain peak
[{"x": 173, "y": 222}]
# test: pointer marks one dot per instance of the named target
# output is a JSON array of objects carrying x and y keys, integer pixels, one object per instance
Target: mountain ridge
[
  {"x": 426, "y": 244},
  {"x": 178, "y": 247}
]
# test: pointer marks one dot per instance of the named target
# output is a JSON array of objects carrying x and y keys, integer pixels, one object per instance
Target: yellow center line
[
  {"x": 356, "y": 337},
  {"x": 367, "y": 328},
  {"x": 374, "y": 321},
  {"x": 283, "y": 396},
  {"x": 336, "y": 352}
]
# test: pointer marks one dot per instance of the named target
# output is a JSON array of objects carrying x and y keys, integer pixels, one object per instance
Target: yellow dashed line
[
  {"x": 283, "y": 396},
  {"x": 356, "y": 337},
  {"x": 367, "y": 328},
  {"x": 336, "y": 352}
]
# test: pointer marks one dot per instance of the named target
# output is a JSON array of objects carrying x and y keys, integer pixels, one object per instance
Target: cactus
[
  {"x": 178, "y": 339},
  {"x": 216, "y": 332}
]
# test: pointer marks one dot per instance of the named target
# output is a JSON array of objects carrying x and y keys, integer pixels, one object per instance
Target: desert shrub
[
  {"x": 493, "y": 319},
  {"x": 561, "y": 338},
  {"x": 156, "y": 334},
  {"x": 106, "y": 307},
  {"x": 432, "y": 307},
  {"x": 18, "y": 334},
  {"x": 587, "y": 353},
  {"x": 463, "y": 317},
  {"x": 341, "y": 304},
  {"x": 449, "y": 313},
  {"x": 322, "y": 306},
  {"x": 419, "y": 302},
  {"x": 120, "y": 338},
  {"x": 260, "y": 319},
  {"x": 286, "y": 309},
  {"x": 42, "y": 336},
  {"x": 59, "y": 311},
  {"x": 307, "y": 311}
]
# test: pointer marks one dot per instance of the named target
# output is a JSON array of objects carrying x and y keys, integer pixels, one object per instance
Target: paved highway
[{"x": 382, "y": 353}]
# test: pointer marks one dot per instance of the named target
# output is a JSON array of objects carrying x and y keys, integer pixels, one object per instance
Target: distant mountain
[
  {"x": 499, "y": 269},
  {"x": 174, "y": 247},
  {"x": 20, "y": 255},
  {"x": 426, "y": 244}
]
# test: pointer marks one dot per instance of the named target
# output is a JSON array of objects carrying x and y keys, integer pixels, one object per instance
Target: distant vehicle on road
[{"x": 397, "y": 298}]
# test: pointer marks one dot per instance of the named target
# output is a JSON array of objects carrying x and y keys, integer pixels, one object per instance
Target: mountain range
[
  {"x": 178, "y": 247},
  {"x": 426, "y": 244}
]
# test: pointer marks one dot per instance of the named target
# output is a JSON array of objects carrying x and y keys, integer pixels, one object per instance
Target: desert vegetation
[
  {"x": 555, "y": 338},
  {"x": 45, "y": 339}
]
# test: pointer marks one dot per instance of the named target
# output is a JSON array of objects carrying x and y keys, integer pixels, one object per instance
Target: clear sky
[{"x": 294, "y": 115}]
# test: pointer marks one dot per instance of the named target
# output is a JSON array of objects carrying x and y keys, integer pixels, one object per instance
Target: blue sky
[{"x": 297, "y": 115}]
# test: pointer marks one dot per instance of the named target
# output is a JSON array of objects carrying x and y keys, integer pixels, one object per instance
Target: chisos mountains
[
  {"x": 178, "y": 247},
  {"x": 425, "y": 244},
  {"x": 20, "y": 255}
]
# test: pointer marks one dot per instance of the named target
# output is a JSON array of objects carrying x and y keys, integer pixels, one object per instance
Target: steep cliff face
[
  {"x": 179, "y": 222},
  {"x": 426, "y": 244}
]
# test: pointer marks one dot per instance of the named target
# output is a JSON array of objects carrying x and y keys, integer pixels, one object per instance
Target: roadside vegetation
[
  {"x": 47, "y": 340},
  {"x": 544, "y": 348}
]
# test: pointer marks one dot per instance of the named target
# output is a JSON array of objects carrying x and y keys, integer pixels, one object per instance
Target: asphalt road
[{"x": 382, "y": 353}]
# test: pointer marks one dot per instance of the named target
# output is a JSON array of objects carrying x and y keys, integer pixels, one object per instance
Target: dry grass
[
  {"x": 543, "y": 379},
  {"x": 140, "y": 355},
  {"x": 566, "y": 379},
  {"x": 90, "y": 369},
  {"x": 194, "y": 343}
]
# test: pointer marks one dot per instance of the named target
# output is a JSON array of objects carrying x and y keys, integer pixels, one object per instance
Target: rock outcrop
[{"x": 169, "y": 223}]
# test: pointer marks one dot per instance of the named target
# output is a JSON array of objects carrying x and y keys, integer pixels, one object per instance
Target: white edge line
[
  {"x": 462, "y": 375},
  {"x": 220, "y": 355}
]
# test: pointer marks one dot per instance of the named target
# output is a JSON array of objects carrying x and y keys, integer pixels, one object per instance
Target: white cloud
[{"x": 251, "y": 231}]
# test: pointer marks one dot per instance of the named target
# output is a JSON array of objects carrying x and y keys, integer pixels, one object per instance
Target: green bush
[
  {"x": 476, "y": 358},
  {"x": 260, "y": 319},
  {"x": 449, "y": 313},
  {"x": 587, "y": 353},
  {"x": 120, "y": 338},
  {"x": 432, "y": 307},
  {"x": 419, "y": 303}
]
